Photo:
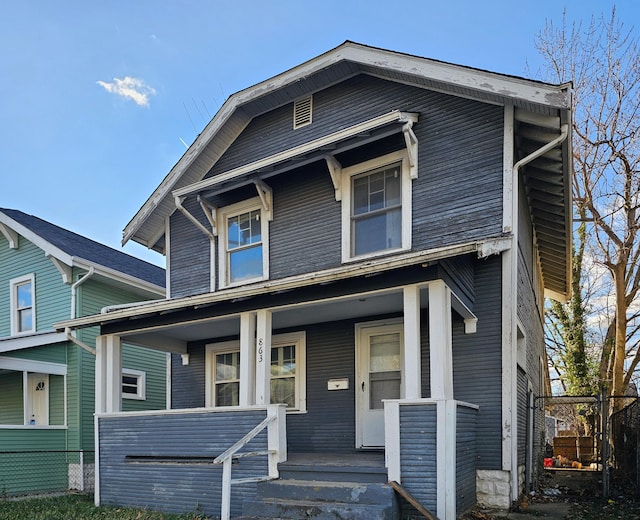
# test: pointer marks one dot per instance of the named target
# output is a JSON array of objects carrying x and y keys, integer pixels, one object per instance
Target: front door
[
  {"x": 379, "y": 349},
  {"x": 38, "y": 399}
]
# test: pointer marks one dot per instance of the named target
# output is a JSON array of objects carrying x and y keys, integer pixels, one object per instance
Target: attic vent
[{"x": 302, "y": 112}]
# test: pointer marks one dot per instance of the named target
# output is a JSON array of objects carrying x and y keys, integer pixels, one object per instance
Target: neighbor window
[
  {"x": 243, "y": 244},
  {"x": 287, "y": 372},
  {"x": 377, "y": 207},
  {"x": 133, "y": 384},
  {"x": 23, "y": 311}
]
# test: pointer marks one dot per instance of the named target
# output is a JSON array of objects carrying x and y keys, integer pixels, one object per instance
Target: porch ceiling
[{"x": 175, "y": 337}]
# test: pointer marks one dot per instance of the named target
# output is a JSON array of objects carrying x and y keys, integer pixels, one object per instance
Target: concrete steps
[{"x": 326, "y": 488}]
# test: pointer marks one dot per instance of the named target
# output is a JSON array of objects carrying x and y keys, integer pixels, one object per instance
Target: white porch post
[
  {"x": 263, "y": 357},
  {"x": 412, "y": 383},
  {"x": 101, "y": 374},
  {"x": 113, "y": 377},
  {"x": 440, "y": 344},
  {"x": 247, "y": 358}
]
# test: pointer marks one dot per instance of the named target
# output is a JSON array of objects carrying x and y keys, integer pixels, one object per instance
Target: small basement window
[{"x": 302, "y": 112}]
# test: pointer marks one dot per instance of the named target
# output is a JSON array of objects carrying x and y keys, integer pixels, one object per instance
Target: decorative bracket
[
  {"x": 10, "y": 235},
  {"x": 412, "y": 147},
  {"x": 62, "y": 268},
  {"x": 210, "y": 212},
  {"x": 335, "y": 170},
  {"x": 266, "y": 197},
  {"x": 178, "y": 201}
]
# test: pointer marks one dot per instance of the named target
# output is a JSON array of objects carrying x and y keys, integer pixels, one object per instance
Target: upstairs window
[
  {"x": 243, "y": 244},
  {"x": 23, "y": 312},
  {"x": 376, "y": 207}
]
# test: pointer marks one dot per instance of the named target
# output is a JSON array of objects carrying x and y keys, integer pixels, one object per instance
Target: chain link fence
[
  {"x": 46, "y": 471},
  {"x": 625, "y": 430}
]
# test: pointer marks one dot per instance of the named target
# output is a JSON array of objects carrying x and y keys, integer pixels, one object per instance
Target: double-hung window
[
  {"x": 376, "y": 210},
  {"x": 23, "y": 309},
  {"x": 243, "y": 244},
  {"x": 287, "y": 372}
]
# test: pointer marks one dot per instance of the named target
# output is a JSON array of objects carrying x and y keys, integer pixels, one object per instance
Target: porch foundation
[{"x": 493, "y": 488}]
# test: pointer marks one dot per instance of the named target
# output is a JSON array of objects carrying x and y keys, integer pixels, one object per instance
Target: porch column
[
  {"x": 263, "y": 357},
  {"x": 440, "y": 345},
  {"x": 101, "y": 374},
  {"x": 113, "y": 379},
  {"x": 412, "y": 383},
  {"x": 247, "y": 358}
]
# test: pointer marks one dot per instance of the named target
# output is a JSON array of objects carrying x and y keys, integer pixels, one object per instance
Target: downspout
[
  {"x": 564, "y": 132},
  {"x": 67, "y": 331}
]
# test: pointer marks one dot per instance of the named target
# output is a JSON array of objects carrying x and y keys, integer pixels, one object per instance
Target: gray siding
[
  {"x": 477, "y": 363},
  {"x": 188, "y": 381},
  {"x": 465, "y": 458},
  {"x": 456, "y": 198},
  {"x": 190, "y": 253},
  {"x": 418, "y": 453},
  {"x": 144, "y": 460}
]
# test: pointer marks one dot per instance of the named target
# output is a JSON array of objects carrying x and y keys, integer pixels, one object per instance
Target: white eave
[
  {"x": 64, "y": 261},
  {"x": 348, "y": 59}
]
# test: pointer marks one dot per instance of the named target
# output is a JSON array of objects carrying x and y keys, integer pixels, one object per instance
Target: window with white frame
[
  {"x": 23, "y": 306},
  {"x": 287, "y": 372},
  {"x": 376, "y": 207},
  {"x": 243, "y": 243},
  {"x": 133, "y": 384}
]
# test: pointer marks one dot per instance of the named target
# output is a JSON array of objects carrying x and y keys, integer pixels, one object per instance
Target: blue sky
[{"x": 98, "y": 98}]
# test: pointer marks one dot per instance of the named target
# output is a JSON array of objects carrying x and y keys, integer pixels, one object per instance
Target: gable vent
[{"x": 302, "y": 112}]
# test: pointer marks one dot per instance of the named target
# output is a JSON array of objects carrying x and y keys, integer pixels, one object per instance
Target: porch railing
[{"x": 275, "y": 452}]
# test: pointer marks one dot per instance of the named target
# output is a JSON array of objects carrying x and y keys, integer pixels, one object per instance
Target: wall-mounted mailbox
[{"x": 338, "y": 384}]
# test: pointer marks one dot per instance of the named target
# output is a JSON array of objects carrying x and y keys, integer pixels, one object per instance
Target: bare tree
[{"x": 602, "y": 60}]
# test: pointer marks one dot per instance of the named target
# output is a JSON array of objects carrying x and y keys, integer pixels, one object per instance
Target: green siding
[
  {"x": 55, "y": 353},
  {"x": 153, "y": 364},
  {"x": 51, "y": 295},
  {"x": 11, "y": 411},
  {"x": 56, "y": 400}
]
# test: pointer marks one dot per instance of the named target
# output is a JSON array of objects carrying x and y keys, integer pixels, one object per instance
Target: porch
[
  {"x": 167, "y": 460},
  {"x": 352, "y": 361}
]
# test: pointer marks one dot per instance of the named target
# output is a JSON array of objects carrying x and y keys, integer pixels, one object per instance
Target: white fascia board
[
  {"x": 119, "y": 276},
  {"x": 28, "y": 365},
  {"x": 48, "y": 248},
  {"x": 39, "y": 339},
  {"x": 329, "y": 275},
  {"x": 302, "y": 149}
]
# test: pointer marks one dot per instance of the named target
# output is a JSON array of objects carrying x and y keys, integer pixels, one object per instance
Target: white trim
[
  {"x": 168, "y": 380},
  {"x": 211, "y": 350},
  {"x": 363, "y": 330},
  {"x": 141, "y": 384},
  {"x": 167, "y": 256},
  {"x": 37, "y": 339},
  {"x": 233, "y": 210},
  {"x": 10, "y": 235},
  {"x": 13, "y": 305},
  {"x": 348, "y": 173},
  {"x": 33, "y": 427},
  {"x": 263, "y": 356},
  {"x": 28, "y": 365},
  {"x": 247, "y": 376},
  {"x": 309, "y": 146},
  {"x": 183, "y": 411},
  {"x": 412, "y": 370},
  {"x": 293, "y": 282},
  {"x": 113, "y": 362},
  {"x": 247, "y": 358},
  {"x": 440, "y": 340},
  {"x": 96, "y": 443},
  {"x": 392, "y": 440}
]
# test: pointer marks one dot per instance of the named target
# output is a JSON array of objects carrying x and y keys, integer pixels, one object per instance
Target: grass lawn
[{"x": 76, "y": 507}]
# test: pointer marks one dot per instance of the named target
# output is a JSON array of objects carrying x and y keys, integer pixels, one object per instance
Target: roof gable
[{"x": 75, "y": 250}]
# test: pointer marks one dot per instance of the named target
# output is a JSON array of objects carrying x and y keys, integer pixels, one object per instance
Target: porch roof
[{"x": 132, "y": 313}]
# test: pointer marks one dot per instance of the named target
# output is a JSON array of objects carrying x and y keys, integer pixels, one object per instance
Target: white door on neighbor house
[
  {"x": 37, "y": 399},
  {"x": 378, "y": 376}
]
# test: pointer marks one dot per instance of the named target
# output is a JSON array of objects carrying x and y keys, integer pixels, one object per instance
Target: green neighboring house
[{"x": 47, "y": 383}]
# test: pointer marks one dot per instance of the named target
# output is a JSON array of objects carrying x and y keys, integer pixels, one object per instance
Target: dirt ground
[{"x": 580, "y": 492}]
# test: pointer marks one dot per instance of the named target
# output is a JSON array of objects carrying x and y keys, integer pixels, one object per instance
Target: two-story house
[
  {"x": 358, "y": 250},
  {"x": 47, "y": 383}
]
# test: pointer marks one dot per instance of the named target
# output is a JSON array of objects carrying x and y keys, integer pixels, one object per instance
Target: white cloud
[{"x": 132, "y": 88}]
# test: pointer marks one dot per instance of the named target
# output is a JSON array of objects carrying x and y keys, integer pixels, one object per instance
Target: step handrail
[{"x": 226, "y": 459}]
